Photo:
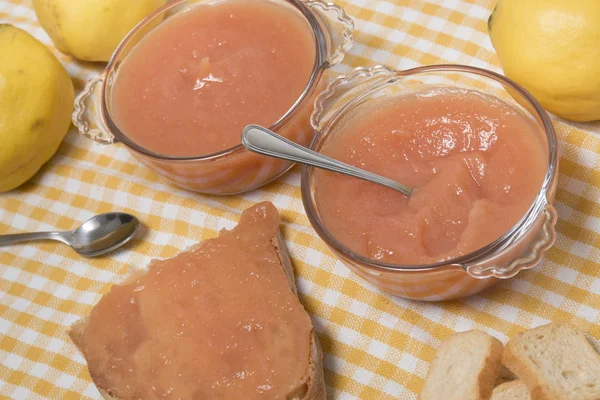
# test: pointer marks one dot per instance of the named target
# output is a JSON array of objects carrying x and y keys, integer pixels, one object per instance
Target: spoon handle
[
  {"x": 263, "y": 141},
  {"x": 5, "y": 240}
]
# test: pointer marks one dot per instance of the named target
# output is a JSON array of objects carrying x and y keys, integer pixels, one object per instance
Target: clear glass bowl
[
  {"x": 520, "y": 248},
  {"x": 234, "y": 170}
]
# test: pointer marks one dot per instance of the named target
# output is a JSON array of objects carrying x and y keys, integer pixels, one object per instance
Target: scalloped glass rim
[{"x": 540, "y": 204}]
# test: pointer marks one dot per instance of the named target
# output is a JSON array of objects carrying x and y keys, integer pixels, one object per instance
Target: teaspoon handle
[
  {"x": 263, "y": 141},
  {"x": 5, "y": 240}
]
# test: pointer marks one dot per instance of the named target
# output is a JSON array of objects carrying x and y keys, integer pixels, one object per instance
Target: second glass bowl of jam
[
  {"x": 186, "y": 80},
  {"x": 482, "y": 157}
]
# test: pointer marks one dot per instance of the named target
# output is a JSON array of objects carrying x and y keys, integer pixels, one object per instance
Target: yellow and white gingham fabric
[{"x": 376, "y": 346}]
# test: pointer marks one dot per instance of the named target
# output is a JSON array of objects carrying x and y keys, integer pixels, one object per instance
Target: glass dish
[
  {"x": 520, "y": 248},
  {"x": 234, "y": 170}
]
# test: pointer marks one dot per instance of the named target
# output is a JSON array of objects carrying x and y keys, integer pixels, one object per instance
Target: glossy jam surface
[
  {"x": 217, "y": 322},
  {"x": 477, "y": 164},
  {"x": 191, "y": 85}
]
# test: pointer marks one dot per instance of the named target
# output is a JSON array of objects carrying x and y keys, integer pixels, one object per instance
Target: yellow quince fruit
[
  {"x": 552, "y": 48},
  {"x": 91, "y": 30},
  {"x": 36, "y": 103}
]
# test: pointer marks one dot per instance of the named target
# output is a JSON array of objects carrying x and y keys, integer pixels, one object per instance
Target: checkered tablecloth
[{"x": 376, "y": 346}]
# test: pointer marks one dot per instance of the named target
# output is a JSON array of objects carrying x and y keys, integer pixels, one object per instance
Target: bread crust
[
  {"x": 505, "y": 375},
  {"x": 489, "y": 375},
  {"x": 314, "y": 378}
]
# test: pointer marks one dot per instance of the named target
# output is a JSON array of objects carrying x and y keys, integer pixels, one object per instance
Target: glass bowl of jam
[
  {"x": 185, "y": 81},
  {"x": 481, "y": 155}
]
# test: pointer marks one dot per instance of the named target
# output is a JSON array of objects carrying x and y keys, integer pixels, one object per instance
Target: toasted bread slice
[
  {"x": 513, "y": 390},
  {"x": 312, "y": 386},
  {"x": 465, "y": 367},
  {"x": 556, "y": 362}
]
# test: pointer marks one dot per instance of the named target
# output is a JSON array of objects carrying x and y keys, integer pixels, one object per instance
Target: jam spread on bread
[{"x": 219, "y": 321}]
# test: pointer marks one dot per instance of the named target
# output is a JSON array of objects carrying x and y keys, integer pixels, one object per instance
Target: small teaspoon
[
  {"x": 264, "y": 141},
  {"x": 98, "y": 235}
]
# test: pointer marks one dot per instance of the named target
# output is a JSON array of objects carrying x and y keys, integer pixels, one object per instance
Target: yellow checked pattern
[{"x": 376, "y": 346}]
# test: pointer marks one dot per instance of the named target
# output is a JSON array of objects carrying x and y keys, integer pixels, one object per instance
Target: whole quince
[
  {"x": 36, "y": 103},
  {"x": 91, "y": 30},
  {"x": 552, "y": 48}
]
